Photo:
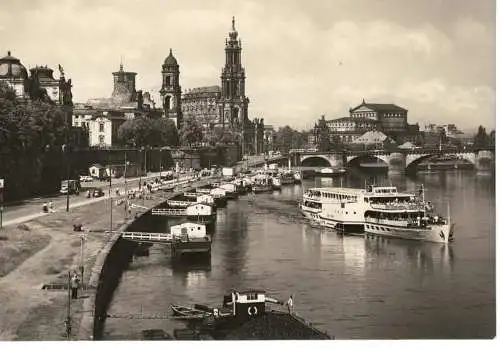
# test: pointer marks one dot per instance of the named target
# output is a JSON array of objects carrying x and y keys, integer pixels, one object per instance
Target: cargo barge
[{"x": 245, "y": 315}]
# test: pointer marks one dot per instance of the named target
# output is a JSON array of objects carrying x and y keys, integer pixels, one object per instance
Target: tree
[
  {"x": 191, "y": 132},
  {"x": 30, "y": 133},
  {"x": 143, "y": 131},
  {"x": 163, "y": 132},
  {"x": 324, "y": 141},
  {"x": 284, "y": 139},
  {"x": 492, "y": 138},
  {"x": 481, "y": 139}
]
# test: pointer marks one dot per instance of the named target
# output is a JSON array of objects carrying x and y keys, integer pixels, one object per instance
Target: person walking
[
  {"x": 289, "y": 305},
  {"x": 75, "y": 283}
]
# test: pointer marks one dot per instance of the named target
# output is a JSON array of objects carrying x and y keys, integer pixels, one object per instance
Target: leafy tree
[
  {"x": 191, "y": 132},
  {"x": 284, "y": 139},
  {"x": 481, "y": 139},
  {"x": 164, "y": 132},
  {"x": 324, "y": 141},
  {"x": 144, "y": 131},
  {"x": 31, "y": 133}
]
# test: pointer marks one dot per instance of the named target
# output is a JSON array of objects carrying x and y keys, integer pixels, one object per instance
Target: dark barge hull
[{"x": 271, "y": 325}]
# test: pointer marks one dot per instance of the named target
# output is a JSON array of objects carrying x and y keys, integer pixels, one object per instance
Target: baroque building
[
  {"x": 389, "y": 117},
  {"x": 171, "y": 90},
  {"x": 41, "y": 83},
  {"x": 201, "y": 103},
  {"x": 233, "y": 104}
]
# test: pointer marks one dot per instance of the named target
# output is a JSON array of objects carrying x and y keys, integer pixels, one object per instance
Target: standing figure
[
  {"x": 289, "y": 305},
  {"x": 75, "y": 283}
]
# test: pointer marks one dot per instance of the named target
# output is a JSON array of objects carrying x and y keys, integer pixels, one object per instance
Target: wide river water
[{"x": 349, "y": 286}]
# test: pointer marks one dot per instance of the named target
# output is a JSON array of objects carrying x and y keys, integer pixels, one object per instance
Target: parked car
[
  {"x": 95, "y": 193},
  {"x": 86, "y": 179},
  {"x": 71, "y": 186}
]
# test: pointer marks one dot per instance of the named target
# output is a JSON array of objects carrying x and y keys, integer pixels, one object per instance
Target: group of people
[
  {"x": 48, "y": 207},
  {"x": 75, "y": 285}
]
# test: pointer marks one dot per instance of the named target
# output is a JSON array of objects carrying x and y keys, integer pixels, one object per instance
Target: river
[{"x": 349, "y": 286}]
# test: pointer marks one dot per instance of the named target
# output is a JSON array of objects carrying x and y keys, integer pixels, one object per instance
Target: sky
[{"x": 303, "y": 58}]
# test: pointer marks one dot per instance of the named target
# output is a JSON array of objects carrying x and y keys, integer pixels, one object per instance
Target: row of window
[
  {"x": 369, "y": 226},
  {"x": 338, "y": 196}
]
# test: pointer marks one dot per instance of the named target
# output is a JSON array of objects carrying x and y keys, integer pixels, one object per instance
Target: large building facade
[
  {"x": 347, "y": 129},
  {"x": 201, "y": 103},
  {"x": 389, "y": 117}
]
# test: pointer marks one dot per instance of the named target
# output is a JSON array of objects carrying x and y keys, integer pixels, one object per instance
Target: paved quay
[
  {"x": 41, "y": 249},
  {"x": 26, "y": 210}
]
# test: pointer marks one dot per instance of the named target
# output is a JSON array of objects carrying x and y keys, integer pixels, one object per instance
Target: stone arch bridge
[{"x": 399, "y": 160}]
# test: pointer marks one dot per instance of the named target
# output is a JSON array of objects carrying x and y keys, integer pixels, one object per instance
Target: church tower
[
  {"x": 124, "y": 86},
  {"x": 171, "y": 90},
  {"x": 233, "y": 104}
]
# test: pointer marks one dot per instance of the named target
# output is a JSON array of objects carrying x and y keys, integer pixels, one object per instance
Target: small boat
[
  {"x": 276, "y": 183},
  {"x": 330, "y": 172},
  {"x": 288, "y": 178},
  {"x": 188, "y": 313},
  {"x": 297, "y": 177}
]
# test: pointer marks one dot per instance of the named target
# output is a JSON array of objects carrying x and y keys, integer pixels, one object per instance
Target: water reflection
[
  {"x": 422, "y": 256},
  {"x": 354, "y": 254}
]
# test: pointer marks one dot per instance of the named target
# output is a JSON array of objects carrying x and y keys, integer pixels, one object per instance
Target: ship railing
[
  {"x": 179, "y": 203},
  {"x": 168, "y": 212},
  {"x": 397, "y": 206}
]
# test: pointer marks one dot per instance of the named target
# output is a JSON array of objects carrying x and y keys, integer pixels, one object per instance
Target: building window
[
  {"x": 101, "y": 139},
  {"x": 101, "y": 127}
]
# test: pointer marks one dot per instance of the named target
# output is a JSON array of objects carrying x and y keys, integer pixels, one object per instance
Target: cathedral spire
[{"x": 234, "y": 29}]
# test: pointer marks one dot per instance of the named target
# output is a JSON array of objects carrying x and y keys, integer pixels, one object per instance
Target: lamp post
[
  {"x": 161, "y": 161},
  {"x": 65, "y": 150},
  {"x": 110, "y": 203},
  {"x": 126, "y": 187},
  {"x": 82, "y": 246}
]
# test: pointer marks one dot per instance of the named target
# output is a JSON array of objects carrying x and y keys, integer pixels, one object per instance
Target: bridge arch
[
  {"x": 315, "y": 161},
  {"x": 414, "y": 160},
  {"x": 355, "y": 160}
]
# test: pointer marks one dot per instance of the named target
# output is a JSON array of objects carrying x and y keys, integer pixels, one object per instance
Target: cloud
[{"x": 301, "y": 60}]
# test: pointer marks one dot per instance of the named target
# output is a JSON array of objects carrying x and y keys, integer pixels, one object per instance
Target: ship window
[{"x": 252, "y": 296}]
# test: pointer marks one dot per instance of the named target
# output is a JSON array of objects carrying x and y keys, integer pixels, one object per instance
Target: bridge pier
[
  {"x": 484, "y": 161},
  {"x": 396, "y": 163}
]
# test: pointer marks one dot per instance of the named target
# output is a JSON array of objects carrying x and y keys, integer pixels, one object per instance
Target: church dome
[
  {"x": 170, "y": 60},
  {"x": 11, "y": 67}
]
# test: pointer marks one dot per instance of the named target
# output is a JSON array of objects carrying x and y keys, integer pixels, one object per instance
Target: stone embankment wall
[{"x": 107, "y": 272}]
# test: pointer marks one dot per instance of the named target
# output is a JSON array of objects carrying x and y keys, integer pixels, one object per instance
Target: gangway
[
  {"x": 147, "y": 237},
  {"x": 168, "y": 212},
  {"x": 181, "y": 204}
]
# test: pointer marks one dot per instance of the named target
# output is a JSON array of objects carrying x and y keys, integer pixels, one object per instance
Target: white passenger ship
[
  {"x": 376, "y": 211},
  {"x": 336, "y": 208},
  {"x": 404, "y": 215}
]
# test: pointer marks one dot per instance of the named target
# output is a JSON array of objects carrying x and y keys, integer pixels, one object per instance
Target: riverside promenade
[{"x": 40, "y": 249}]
